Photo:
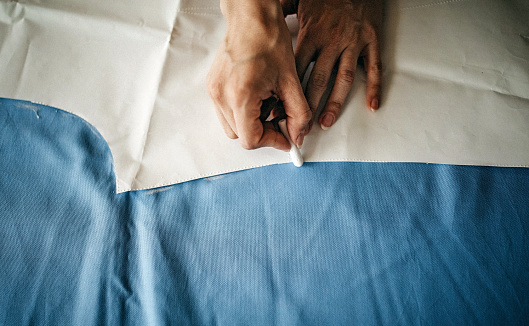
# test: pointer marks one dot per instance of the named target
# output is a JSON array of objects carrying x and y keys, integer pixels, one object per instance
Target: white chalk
[{"x": 295, "y": 154}]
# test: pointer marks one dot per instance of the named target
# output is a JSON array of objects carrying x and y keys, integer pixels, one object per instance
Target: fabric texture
[
  {"x": 325, "y": 244},
  {"x": 454, "y": 84}
]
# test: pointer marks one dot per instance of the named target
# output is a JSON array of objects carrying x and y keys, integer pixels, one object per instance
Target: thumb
[{"x": 297, "y": 109}]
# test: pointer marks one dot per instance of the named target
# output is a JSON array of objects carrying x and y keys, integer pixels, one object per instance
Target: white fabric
[{"x": 456, "y": 84}]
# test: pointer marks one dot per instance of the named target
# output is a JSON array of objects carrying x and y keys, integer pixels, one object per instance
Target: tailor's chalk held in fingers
[{"x": 295, "y": 154}]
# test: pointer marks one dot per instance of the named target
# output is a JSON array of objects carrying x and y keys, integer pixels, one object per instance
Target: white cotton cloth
[{"x": 456, "y": 85}]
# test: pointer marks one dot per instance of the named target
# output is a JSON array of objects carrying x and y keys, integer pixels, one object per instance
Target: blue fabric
[{"x": 325, "y": 244}]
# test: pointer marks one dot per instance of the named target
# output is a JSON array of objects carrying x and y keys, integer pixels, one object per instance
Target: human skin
[
  {"x": 256, "y": 61},
  {"x": 337, "y": 32}
]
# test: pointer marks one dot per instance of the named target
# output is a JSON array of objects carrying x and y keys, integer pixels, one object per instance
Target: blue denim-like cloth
[{"x": 325, "y": 244}]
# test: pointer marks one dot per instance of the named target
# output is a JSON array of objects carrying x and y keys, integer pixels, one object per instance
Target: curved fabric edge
[{"x": 50, "y": 115}]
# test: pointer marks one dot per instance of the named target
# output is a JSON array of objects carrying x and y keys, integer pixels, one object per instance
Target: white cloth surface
[{"x": 456, "y": 85}]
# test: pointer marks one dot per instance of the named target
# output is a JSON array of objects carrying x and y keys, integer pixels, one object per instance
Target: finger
[
  {"x": 297, "y": 109},
  {"x": 216, "y": 93},
  {"x": 373, "y": 66},
  {"x": 228, "y": 130},
  {"x": 253, "y": 133},
  {"x": 319, "y": 78},
  {"x": 342, "y": 87},
  {"x": 274, "y": 138},
  {"x": 304, "y": 53},
  {"x": 225, "y": 116}
]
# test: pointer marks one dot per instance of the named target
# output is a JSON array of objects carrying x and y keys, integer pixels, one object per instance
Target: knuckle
[
  {"x": 306, "y": 115},
  {"x": 348, "y": 33},
  {"x": 214, "y": 89},
  {"x": 320, "y": 80},
  {"x": 336, "y": 34},
  {"x": 230, "y": 133},
  {"x": 346, "y": 76},
  {"x": 334, "y": 107},
  {"x": 233, "y": 95},
  {"x": 237, "y": 93},
  {"x": 356, "y": 32},
  {"x": 301, "y": 116},
  {"x": 246, "y": 84},
  {"x": 249, "y": 144},
  {"x": 370, "y": 33}
]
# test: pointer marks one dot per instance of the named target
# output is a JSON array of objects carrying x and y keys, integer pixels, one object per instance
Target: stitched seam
[
  {"x": 348, "y": 160},
  {"x": 201, "y": 8},
  {"x": 191, "y": 12}
]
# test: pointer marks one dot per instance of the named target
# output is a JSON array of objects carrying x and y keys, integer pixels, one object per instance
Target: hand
[
  {"x": 337, "y": 32},
  {"x": 254, "y": 62}
]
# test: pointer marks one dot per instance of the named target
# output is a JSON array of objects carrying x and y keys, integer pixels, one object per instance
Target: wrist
[
  {"x": 253, "y": 27},
  {"x": 250, "y": 10}
]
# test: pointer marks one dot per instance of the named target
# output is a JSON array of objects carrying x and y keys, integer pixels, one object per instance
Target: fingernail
[
  {"x": 326, "y": 121},
  {"x": 299, "y": 140},
  {"x": 374, "y": 105}
]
